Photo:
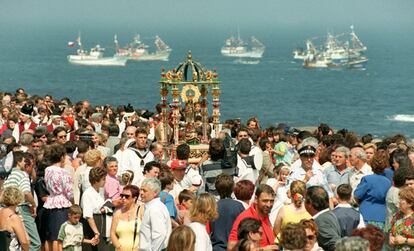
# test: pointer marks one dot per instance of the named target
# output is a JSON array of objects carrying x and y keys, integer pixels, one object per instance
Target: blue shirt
[
  {"x": 389, "y": 173},
  {"x": 228, "y": 210},
  {"x": 335, "y": 177},
  {"x": 371, "y": 193},
  {"x": 168, "y": 201}
]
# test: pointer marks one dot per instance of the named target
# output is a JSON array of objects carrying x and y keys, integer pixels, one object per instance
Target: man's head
[
  {"x": 409, "y": 177},
  {"x": 178, "y": 169},
  {"x": 130, "y": 132},
  {"x": 344, "y": 193},
  {"x": 224, "y": 185},
  {"x": 264, "y": 199},
  {"x": 150, "y": 189},
  {"x": 242, "y": 133},
  {"x": 59, "y": 133},
  {"x": 358, "y": 157},
  {"x": 157, "y": 150},
  {"x": 141, "y": 136},
  {"x": 216, "y": 149},
  {"x": 341, "y": 156},
  {"x": 19, "y": 160},
  {"x": 245, "y": 146},
  {"x": 152, "y": 169},
  {"x": 316, "y": 199},
  {"x": 307, "y": 154},
  {"x": 183, "y": 152}
]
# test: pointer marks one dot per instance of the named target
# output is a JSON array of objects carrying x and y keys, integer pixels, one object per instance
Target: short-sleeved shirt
[
  {"x": 59, "y": 184},
  {"x": 19, "y": 179},
  {"x": 168, "y": 201},
  {"x": 71, "y": 236},
  {"x": 91, "y": 202},
  {"x": 318, "y": 178},
  {"x": 267, "y": 237},
  {"x": 334, "y": 176}
]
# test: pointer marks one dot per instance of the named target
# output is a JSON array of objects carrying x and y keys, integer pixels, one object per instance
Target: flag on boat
[{"x": 71, "y": 44}]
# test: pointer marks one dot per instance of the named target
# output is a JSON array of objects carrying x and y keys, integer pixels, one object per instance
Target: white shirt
[
  {"x": 155, "y": 226},
  {"x": 356, "y": 175},
  {"x": 203, "y": 242},
  {"x": 91, "y": 202},
  {"x": 129, "y": 160},
  {"x": 246, "y": 172},
  {"x": 298, "y": 163},
  {"x": 191, "y": 178},
  {"x": 85, "y": 184},
  {"x": 178, "y": 187}
]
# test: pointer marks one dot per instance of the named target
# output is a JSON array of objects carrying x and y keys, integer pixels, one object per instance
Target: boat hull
[
  {"x": 158, "y": 56},
  {"x": 105, "y": 61}
]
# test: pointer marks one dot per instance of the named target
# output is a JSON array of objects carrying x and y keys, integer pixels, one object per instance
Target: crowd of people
[{"x": 79, "y": 177}]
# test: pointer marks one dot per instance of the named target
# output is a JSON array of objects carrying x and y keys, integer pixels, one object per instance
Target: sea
[{"x": 377, "y": 99}]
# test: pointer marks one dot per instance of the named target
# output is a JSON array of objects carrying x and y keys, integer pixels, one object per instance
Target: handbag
[{"x": 135, "y": 226}]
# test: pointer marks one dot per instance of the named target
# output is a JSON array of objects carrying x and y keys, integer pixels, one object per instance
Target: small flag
[{"x": 71, "y": 44}]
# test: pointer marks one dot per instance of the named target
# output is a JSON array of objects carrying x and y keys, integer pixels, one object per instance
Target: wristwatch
[{"x": 406, "y": 240}]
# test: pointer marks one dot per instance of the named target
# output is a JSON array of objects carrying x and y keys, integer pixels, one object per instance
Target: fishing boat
[
  {"x": 334, "y": 52},
  {"x": 236, "y": 47},
  {"x": 138, "y": 51},
  {"x": 94, "y": 57}
]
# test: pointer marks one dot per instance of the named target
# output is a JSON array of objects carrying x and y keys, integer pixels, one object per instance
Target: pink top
[
  {"x": 59, "y": 184},
  {"x": 112, "y": 188}
]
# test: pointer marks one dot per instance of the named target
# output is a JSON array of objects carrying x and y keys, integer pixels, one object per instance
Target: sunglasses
[
  {"x": 62, "y": 136},
  {"x": 126, "y": 196}
]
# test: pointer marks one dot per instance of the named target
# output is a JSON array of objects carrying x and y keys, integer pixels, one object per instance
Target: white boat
[
  {"x": 94, "y": 57},
  {"x": 300, "y": 54},
  {"x": 333, "y": 53},
  {"x": 236, "y": 47},
  {"x": 138, "y": 51}
]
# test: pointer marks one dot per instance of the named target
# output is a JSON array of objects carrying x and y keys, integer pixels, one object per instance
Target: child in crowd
[
  {"x": 185, "y": 200},
  {"x": 70, "y": 237},
  {"x": 349, "y": 218},
  {"x": 167, "y": 184},
  {"x": 127, "y": 177},
  {"x": 279, "y": 183}
]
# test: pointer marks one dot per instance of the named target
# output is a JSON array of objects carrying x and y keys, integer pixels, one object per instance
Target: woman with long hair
[
  {"x": 182, "y": 238},
  {"x": 294, "y": 212},
  {"x": 126, "y": 221},
  {"x": 204, "y": 209}
]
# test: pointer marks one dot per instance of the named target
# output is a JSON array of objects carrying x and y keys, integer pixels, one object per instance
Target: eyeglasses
[
  {"x": 311, "y": 237},
  {"x": 126, "y": 196}
]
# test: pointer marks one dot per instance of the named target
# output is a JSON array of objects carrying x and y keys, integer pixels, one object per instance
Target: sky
[{"x": 178, "y": 15}]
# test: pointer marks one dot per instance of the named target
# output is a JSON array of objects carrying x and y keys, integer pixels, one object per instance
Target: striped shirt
[{"x": 20, "y": 179}]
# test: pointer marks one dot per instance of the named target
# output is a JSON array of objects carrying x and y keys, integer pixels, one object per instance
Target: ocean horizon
[{"x": 377, "y": 99}]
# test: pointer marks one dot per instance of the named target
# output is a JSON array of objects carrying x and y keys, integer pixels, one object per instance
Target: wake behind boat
[
  {"x": 94, "y": 56},
  {"x": 138, "y": 51}
]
